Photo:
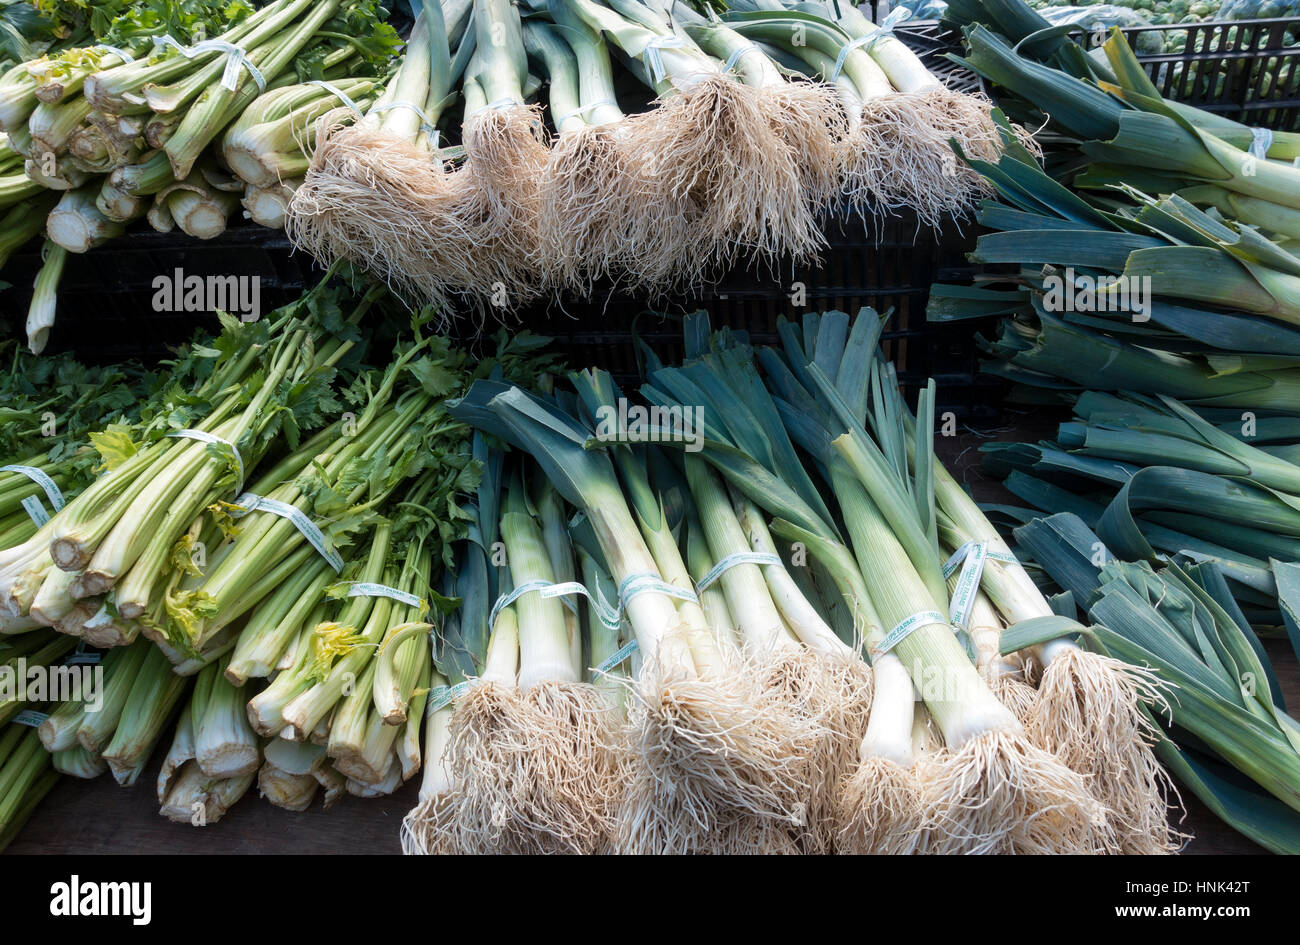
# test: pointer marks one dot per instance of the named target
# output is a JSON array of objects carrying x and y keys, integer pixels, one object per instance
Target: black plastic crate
[
  {"x": 106, "y": 311},
  {"x": 1241, "y": 69}
]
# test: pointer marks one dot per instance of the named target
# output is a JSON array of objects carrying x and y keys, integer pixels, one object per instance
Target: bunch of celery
[
  {"x": 51, "y": 404},
  {"x": 113, "y": 722},
  {"x": 26, "y": 776},
  {"x": 1224, "y": 733},
  {"x": 214, "y": 754},
  {"x": 100, "y": 562},
  {"x": 129, "y": 123}
]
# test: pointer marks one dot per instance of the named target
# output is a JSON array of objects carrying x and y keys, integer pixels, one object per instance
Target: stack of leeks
[
  {"x": 763, "y": 121},
  {"x": 778, "y": 509},
  {"x": 172, "y": 112},
  {"x": 1224, "y": 733},
  {"x": 1170, "y": 234},
  {"x": 1153, "y": 478}
]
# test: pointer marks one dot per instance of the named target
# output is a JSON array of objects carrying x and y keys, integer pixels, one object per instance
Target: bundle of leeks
[
  {"x": 1067, "y": 766},
  {"x": 522, "y": 747},
  {"x": 726, "y": 731},
  {"x": 750, "y": 700},
  {"x": 1224, "y": 733},
  {"x": 752, "y": 137}
]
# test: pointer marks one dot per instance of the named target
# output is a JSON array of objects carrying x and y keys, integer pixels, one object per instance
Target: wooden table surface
[{"x": 100, "y": 817}]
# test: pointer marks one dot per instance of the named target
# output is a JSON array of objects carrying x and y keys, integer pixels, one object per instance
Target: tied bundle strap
[
  {"x": 30, "y": 717},
  {"x": 584, "y": 109},
  {"x": 425, "y": 125},
  {"x": 730, "y": 561},
  {"x": 237, "y": 59},
  {"x": 32, "y": 504},
  {"x": 204, "y": 437},
  {"x": 116, "y": 51},
  {"x": 249, "y": 502},
  {"x": 653, "y": 55},
  {"x": 371, "y": 589},
  {"x": 905, "y": 627},
  {"x": 1261, "y": 139},
  {"x": 607, "y": 614},
  {"x": 615, "y": 659},
  {"x": 339, "y": 94},
  {"x": 82, "y": 656},
  {"x": 442, "y": 696},
  {"x": 643, "y": 582},
  {"x": 972, "y": 557},
  {"x": 737, "y": 54},
  {"x": 886, "y": 29}
]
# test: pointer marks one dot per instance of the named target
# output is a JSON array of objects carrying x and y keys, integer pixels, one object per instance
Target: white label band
[
  {"x": 730, "y": 561},
  {"x": 35, "y": 511},
  {"x": 442, "y": 696},
  {"x": 615, "y": 658},
  {"x": 45, "y": 482},
  {"x": 896, "y": 636},
  {"x": 30, "y": 718},
  {"x": 643, "y": 582},
  {"x": 968, "y": 585},
  {"x": 959, "y": 556},
  {"x": 306, "y": 527},
  {"x": 607, "y": 615},
  {"x": 368, "y": 589}
]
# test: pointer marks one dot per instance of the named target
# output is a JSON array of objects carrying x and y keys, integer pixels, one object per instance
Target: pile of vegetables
[
  {"x": 763, "y": 121},
  {"x": 1146, "y": 280},
  {"x": 174, "y": 112},
  {"x": 264, "y": 520},
  {"x": 1224, "y": 732},
  {"x": 760, "y": 560},
  {"x": 704, "y": 634}
]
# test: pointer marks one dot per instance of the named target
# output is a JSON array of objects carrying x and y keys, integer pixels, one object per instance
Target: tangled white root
[
  {"x": 535, "y": 771},
  {"x": 364, "y": 199},
  {"x": 833, "y": 694},
  {"x": 712, "y": 151},
  {"x": 713, "y": 764},
  {"x": 902, "y": 155},
  {"x": 999, "y": 793},
  {"x": 1089, "y": 714},
  {"x": 879, "y": 810},
  {"x": 601, "y": 217}
]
